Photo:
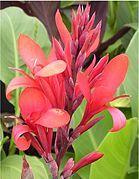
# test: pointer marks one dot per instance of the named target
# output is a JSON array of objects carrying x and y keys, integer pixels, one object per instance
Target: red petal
[
  {"x": 54, "y": 118},
  {"x": 21, "y": 71},
  {"x": 90, "y": 23},
  {"x": 91, "y": 66},
  {"x": 31, "y": 52},
  {"x": 84, "y": 85},
  {"x": 99, "y": 67},
  {"x": 96, "y": 39},
  {"x": 92, "y": 157},
  {"x": 63, "y": 31},
  {"x": 68, "y": 56},
  {"x": 21, "y": 142},
  {"x": 32, "y": 102},
  {"x": 52, "y": 68},
  {"x": 51, "y": 56},
  {"x": 17, "y": 82},
  {"x": 119, "y": 119},
  {"x": 101, "y": 96},
  {"x": 59, "y": 52},
  {"x": 114, "y": 73},
  {"x": 47, "y": 90},
  {"x": 112, "y": 76}
]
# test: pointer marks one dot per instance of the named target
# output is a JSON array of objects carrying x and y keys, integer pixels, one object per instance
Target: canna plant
[{"x": 56, "y": 87}]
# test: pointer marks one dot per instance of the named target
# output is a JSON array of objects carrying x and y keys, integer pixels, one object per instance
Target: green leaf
[
  {"x": 64, "y": 4},
  {"x": 121, "y": 102},
  {"x": 2, "y": 154},
  {"x": 132, "y": 176},
  {"x": 2, "y": 141},
  {"x": 126, "y": 13},
  {"x": 66, "y": 21},
  {"x": 117, "y": 152},
  {"x": 127, "y": 112},
  {"x": 90, "y": 140},
  {"x": 12, "y": 166},
  {"x": 75, "y": 176},
  {"x": 112, "y": 8},
  {"x": 14, "y": 21},
  {"x": 133, "y": 25},
  {"x": 1, "y": 132},
  {"x": 131, "y": 81}
]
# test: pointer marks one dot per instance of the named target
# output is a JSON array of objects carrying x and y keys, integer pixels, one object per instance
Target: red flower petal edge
[
  {"x": 19, "y": 138},
  {"x": 54, "y": 118}
]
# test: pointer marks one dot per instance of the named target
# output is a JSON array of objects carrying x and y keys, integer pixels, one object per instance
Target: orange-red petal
[
  {"x": 54, "y": 118},
  {"x": 32, "y": 102},
  {"x": 63, "y": 31},
  {"x": 84, "y": 85},
  {"x": 52, "y": 68},
  {"x": 31, "y": 52},
  {"x": 114, "y": 72},
  {"x": 19, "y": 81},
  {"x": 19, "y": 138}
]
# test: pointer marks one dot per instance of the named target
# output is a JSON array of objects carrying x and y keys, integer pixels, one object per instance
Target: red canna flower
[
  {"x": 36, "y": 110},
  {"x": 109, "y": 77},
  {"x": 39, "y": 105},
  {"x": 57, "y": 86}
]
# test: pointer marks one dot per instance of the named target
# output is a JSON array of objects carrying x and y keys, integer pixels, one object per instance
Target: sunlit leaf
[
  {"x": 117, "y": 152},
  {"x": 12, "y": 166},
  {"x": 131, "y": 81}
]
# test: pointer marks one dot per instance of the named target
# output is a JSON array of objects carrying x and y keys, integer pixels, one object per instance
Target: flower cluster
[{"x": 56, "y": 87}]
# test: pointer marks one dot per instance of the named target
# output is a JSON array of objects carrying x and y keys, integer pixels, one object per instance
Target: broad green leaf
[
  {"x": 117, "y": 152},
  {"x": 2, "y": 154},
  {"x": 12, "y": 167},
  {"x": 13, "y": 22},
  {"x": 131, "y": 81},
  {"x": 121, "y": 14},
  {"x": 90, "y": 140},
  {"x": 126, "y": 13}
]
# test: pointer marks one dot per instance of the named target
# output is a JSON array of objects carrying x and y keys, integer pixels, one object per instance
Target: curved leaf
[
  {"x": 12, "y": 166},
  {"x": 131, "y": 81},
  {"x": 117, "y": 151}
]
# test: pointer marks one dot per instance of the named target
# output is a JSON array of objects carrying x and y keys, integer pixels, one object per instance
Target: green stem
[{"x": 12, "y": 147}]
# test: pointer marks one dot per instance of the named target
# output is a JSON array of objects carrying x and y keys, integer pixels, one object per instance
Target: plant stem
[
  {"x": 12, "y": 146},
  {"x": 52, "y": 165}
]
